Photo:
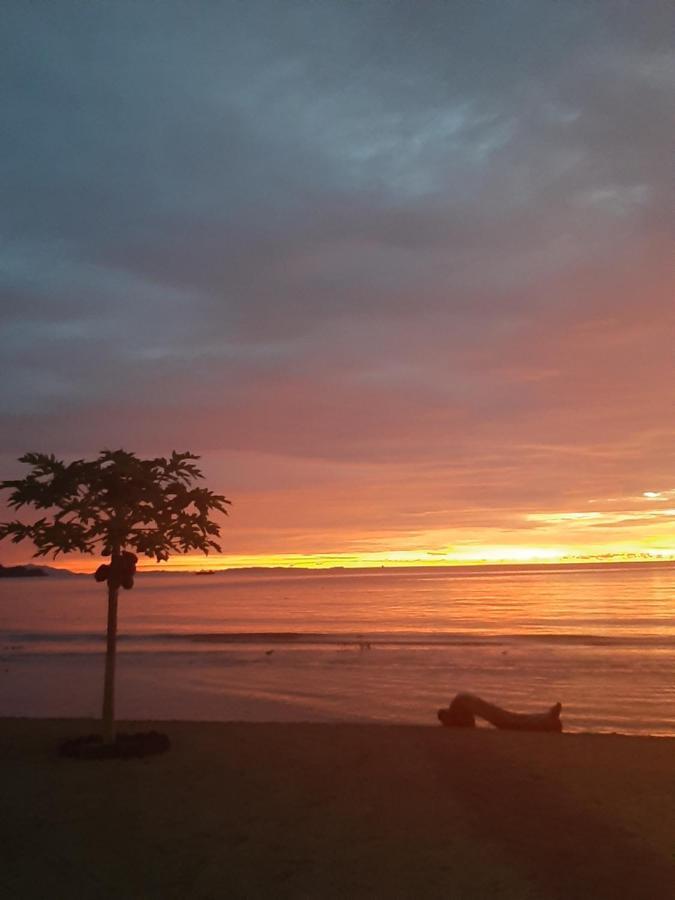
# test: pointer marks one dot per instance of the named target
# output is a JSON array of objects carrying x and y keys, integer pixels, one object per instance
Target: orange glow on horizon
[
  {"x": 479, "y": 556},
  {"x": 636, "y": 527}
]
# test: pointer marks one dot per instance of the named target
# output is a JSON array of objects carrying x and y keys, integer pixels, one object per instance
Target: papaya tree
[{"x": 115, "y": 505}]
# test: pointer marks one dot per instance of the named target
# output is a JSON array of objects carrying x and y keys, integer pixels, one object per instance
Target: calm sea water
[{"x": 383, "y": 646}]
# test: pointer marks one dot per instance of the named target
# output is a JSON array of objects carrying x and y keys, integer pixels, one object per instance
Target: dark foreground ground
[{"x": 314, "y": 811}]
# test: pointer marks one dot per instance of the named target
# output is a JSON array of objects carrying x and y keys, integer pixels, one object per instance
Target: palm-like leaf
[{"x": 148, "y": 505}]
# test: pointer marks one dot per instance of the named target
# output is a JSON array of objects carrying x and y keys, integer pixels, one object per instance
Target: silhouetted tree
[{"x": 112, "y": 505}]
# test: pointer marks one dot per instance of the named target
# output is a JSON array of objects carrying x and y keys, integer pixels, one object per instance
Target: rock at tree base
[{"x": 125, "y": 746}]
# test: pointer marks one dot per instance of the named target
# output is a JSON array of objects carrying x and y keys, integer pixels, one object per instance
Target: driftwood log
[{"x": 464, "y": 708}]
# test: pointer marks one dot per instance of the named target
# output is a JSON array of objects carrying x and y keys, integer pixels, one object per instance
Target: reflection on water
[{"x": 382, "y": 646}]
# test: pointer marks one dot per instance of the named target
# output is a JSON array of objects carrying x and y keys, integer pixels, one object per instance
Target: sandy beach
[{"x": 307, "y": 810}]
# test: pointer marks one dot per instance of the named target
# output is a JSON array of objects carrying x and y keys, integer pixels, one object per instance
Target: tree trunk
[{"x": 111, "y": 643}]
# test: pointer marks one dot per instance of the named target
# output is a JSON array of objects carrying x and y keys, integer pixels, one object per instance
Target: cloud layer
[{"x": 401, "y": 272}]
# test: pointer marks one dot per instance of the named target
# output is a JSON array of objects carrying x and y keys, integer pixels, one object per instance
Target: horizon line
[{"x": 391, "y": 565}]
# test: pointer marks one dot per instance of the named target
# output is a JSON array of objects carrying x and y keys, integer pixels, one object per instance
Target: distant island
[
  {"x": 21, "y": 572},
  {"x": 31, "y": 571}
]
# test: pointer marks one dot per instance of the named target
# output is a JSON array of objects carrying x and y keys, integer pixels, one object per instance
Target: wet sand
[{"x": 314, "y": 811}]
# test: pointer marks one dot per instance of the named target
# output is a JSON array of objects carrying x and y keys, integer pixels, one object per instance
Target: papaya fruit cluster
[{"x": 120, "y": 572}]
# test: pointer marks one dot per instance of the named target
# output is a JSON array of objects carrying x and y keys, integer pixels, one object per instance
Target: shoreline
[
  {"x": 332, "y": 810},
  {"x": 156, "y": 723}
]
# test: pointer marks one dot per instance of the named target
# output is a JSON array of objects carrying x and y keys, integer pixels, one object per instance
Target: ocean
[{"x": 385, "y": 645}]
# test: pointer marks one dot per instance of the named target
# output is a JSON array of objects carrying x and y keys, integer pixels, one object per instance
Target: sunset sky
[{"x": 400, "y": 272}]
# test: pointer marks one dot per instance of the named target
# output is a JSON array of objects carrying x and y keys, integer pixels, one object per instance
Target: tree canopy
[{"x": 116, "y": 500}]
